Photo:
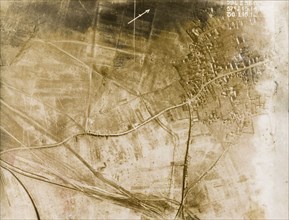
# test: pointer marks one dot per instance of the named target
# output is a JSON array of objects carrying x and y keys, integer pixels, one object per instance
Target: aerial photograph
[{"x": 144, "y": 109}]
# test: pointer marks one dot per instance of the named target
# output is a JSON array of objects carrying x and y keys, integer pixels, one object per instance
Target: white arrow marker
[{"x": 146, "y": 11}]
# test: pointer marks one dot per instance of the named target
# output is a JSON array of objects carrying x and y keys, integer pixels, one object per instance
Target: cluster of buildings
[{"x": 218, "y": 52}]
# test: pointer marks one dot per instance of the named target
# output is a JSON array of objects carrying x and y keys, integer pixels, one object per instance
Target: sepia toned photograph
[{"x": 144, "y": 109}]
